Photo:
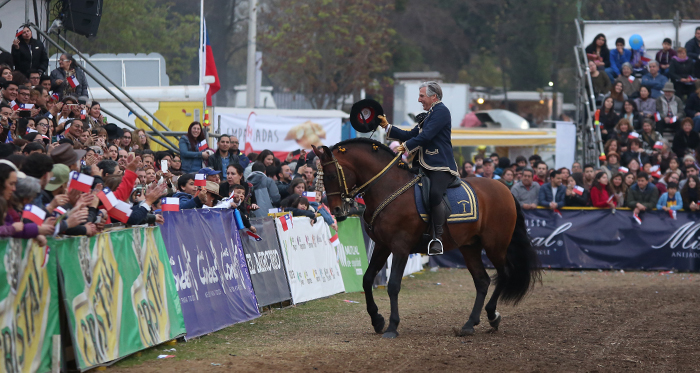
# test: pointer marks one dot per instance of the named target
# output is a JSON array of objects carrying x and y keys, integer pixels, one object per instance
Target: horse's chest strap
[{"x": 390, "y": 199}]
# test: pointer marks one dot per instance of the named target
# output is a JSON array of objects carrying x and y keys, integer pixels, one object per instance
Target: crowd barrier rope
[
  {"x": 608, "y": 239},
  {"x": 118, "y": 292}
]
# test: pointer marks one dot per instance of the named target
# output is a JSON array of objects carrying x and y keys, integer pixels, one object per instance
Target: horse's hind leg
[
  {"x": 495, "y": 317},
  {"x": 472, "y": 258},
  {"x": 379, "y": 257},
  {"x": 398, "y": 264}
]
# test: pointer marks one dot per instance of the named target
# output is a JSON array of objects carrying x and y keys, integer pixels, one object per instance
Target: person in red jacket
[{"x": 601, "y": 192}]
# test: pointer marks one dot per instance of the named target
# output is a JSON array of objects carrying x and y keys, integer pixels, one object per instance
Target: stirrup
[{"x": 440, "y": 252}]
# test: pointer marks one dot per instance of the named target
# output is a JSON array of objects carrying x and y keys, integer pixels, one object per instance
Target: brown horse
[{"x": 353, "y": 166}]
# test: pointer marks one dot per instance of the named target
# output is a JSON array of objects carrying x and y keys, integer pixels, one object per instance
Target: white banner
[
  {"x": 281, "y": 134},
  {"x": 413, "y": 265},
  {"x": 566, "y": 144},
  {"x": 310, "y": 259}
]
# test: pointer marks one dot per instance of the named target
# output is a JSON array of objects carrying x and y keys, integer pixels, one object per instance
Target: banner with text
[
  {"x": 119, "y": 294},
  {"x": 309, "y": 257},
  {"x": 210, "y": 270},
  {"x": 352, "y": 256},
  {"x": 28, "y": 306},
  {"x": 281, "y": 134},
  {"x": 265, "y": 263},
  {"x": 599, "y": 239}
]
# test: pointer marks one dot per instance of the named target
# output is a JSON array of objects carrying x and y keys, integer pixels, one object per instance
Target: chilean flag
[
  {"x": 637, "y": 219},
  {"x": 334, "y": 240},
  {"x": 286, "y": 222},
  {"x": 120, "y": 212},
  {"x": 672, "y": 214},
  {"x": 73, "y": 81},
  {"x": 210, "y": 67},
  {"x": 311, "y": 196},
  {"x": 59, "y": 211},
  {"x": 658, "y": 145},
  {"x": 655, "y": 171},
  {"x": 19, "y": 32},
  {"x": 14, "y": 105},
  {"x": 633, "y": 135},
  {"x": 657, "y": 116},
  {"x": 108, "y": 199},
  {"x": 200, "y": 180},
  {"x": 80, "y": 181},
  {"x": 34, "y": 213},
  {"x": 55, "y": 97},
  {"x": 360, "y": 200},
  {"x": 252, "y": 235},
  {"x": 624, "y": 170},
  {"x": 202, "y": 145},
  {"x": 578, "y": 190},
  {"x": 25, "y": 106},
  {"x": 170, "y": 204}
]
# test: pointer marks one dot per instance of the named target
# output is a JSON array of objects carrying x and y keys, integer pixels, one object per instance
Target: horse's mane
[{"x": 364, "y": 140}]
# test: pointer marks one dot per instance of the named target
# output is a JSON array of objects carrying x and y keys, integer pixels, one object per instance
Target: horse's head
[{"x": 338, "y": 180}]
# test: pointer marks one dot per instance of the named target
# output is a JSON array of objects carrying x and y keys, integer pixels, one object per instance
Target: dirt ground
[{"x": 574, "y": 321}]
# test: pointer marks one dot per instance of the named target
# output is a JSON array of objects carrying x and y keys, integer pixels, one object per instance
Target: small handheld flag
[
  {"x": 170, "y": 204},
  {"x": 334, "y": 240},
  {"x": 624, "y": 170},
  {"x": 121, "y": 211},
  {"x": 274, "y": 210},
  {"x": 658, "y": 145},
  {"x": 655, "y": 172},
  {"x": 202, "y": 145},
  {"x": 657, "y": 116},
  {"x": 19, "y": 32},
  {"x": 14, "y": 105},
  {"x": 252, "y": 235},
  {"x": 672, "y": 213},
  {"x": 630, "y": 78},
  {"x": 200, "y": 180},
  {"x": 633, "y": 135},
  {"x": 73, "y": 81},
  {"x": 34, "y": 213},
  {"x": 311, "y": 196},
  {"x": 286, "y": 222},
  {"x": 59, "y": 211},
  {"x": 25, "y": 106},
  {"x": 578, "y": 190},
  {"x": 557, "y": 212},
  {"x": 108, "y": 199},
  {"x": 80, "y": 181},
  {"x": 637, "y": 219},
  {"x": 611, "y": 197}
]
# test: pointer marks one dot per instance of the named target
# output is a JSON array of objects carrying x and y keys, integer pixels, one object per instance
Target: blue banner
[
  {"x": 210, "y": 269},
  {"x": 599, "y": 239}
]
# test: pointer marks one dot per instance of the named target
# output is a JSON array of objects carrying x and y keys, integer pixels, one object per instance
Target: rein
[{"x": 348, "y": 195}]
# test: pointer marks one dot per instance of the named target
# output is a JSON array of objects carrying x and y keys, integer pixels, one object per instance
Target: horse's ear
[{"x": 317, "y": 151}]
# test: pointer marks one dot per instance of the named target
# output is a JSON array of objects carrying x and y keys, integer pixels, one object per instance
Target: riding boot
[{"x": 440, "y": 213}]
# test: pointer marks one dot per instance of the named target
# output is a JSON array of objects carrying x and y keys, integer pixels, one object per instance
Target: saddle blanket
[{"x": 463, "y": 202}]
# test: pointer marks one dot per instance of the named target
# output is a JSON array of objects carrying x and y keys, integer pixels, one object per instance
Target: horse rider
[{"x": 432, "y": 140}]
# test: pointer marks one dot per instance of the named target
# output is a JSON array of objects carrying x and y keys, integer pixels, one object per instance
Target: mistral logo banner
[
  {"x": 599, "y": 239},
  {"x": 210, "y": 270},
  {"x": 266, "y": 264}
]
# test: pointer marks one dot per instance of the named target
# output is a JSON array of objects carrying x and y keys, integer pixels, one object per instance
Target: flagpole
[
  {"x": 201, "y": 42},
  {"x": 252, "y": 35}
]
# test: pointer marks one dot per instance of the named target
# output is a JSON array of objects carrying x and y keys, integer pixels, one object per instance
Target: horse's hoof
[
  {"x": 463, "y": 332},
  {"x": 379, "y": 325},
  {"x": 495, "y": 322},
  {"x": 390, "y": 335}
]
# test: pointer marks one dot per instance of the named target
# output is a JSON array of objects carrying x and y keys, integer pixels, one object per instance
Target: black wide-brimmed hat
[
  {"x": 363, "y": 115},
  {"x": 113, "y": 131}
]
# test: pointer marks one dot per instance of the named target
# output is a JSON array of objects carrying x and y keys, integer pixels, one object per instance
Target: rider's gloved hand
[
  {"x": 382, "y": 121},
  {"x": 400, "y": 149}
]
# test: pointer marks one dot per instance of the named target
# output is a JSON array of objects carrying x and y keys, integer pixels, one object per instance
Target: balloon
[{"x": 636, "y": 42}]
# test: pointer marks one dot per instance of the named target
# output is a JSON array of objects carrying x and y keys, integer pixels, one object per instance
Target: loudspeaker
[{"x": 82, "y": 16}]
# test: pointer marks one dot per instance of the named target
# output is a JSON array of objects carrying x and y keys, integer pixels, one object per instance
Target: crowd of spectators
[
  {"x": 629, "y": 85},
  {"x": 659, "y": 181}
]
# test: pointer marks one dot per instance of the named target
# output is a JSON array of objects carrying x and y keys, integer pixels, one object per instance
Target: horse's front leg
[
  {"x": 398, "y": 264},
  {"x": 379, "y": 257}
]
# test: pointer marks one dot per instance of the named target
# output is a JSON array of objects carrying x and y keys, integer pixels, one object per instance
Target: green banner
[
  {"x": 352, "y": 256},
  {"x": 119, "y": 294},
  {"x": 28, "y": 306}
]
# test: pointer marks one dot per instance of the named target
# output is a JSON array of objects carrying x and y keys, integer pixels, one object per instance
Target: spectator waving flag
[
  {"x": 170, "y": 204},
  {"x": 286, "y": 222},
  {"x": 200, "y": 180},
  {"x": 311, "y": 196},
  {"x": 34, "y": 213},
  {"x": 202, "y": 146},
  {"x": 578, "y": 190},
  {"x": 19, "y": 31},
  {"x": 210, "y": 67},
  {"x": 73, "y": 81},
  {"x": 80, "y": 181},
  {"x": 252, "y": 235}
]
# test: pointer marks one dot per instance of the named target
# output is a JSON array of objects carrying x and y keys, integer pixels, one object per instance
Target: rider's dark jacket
[{"x": 431, "y": 139}]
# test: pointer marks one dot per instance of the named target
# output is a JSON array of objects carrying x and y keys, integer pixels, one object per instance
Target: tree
[
  {"x": 146, "y": 26},
  {"x": 326, "y": 49}
]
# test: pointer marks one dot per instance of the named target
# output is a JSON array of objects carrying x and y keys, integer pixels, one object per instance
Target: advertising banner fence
[
  {"x": 209, "y": 268},
  {"x": 266, "y": 264},
  {"x": 28, "y": 306},
  {"x": 119, "y": 294},
  {"x": 309, "y": 257},
  {"x": 599, "y": 239},
  {"x": 352, "y": 256}
]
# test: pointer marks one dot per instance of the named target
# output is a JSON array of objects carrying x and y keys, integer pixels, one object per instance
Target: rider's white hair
[{"x": 432, "y": 88}]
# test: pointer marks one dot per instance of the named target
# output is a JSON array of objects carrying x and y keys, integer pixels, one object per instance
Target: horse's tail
[{"x": 522, "y": 267}]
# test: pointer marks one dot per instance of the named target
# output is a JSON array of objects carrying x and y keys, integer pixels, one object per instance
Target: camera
[{"x": 85, "y": 169}]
